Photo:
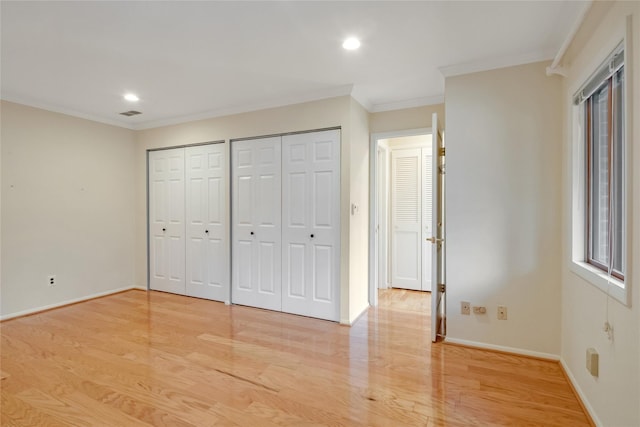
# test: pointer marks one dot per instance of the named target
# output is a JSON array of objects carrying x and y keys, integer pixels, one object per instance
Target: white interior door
[
  {"x": 406, "y": 217},
  {"x": 256, "y": 223},
  {"x": 427, "y": 216},
  {"x": 438, "y": 306},
  {"x": 207, "y": 273},
  {"x": 311, "y": 224},
  {"x": 166, "y": 221}
]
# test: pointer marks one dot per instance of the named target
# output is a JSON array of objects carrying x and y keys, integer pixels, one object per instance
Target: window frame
[{"x": 616, "y": 287}]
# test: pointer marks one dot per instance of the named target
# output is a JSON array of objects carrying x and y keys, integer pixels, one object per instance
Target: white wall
[
  {"x": 614, "y": 396},
  {"x": 359, "y": 229},
  {"x": 67, "y": 208},
  {"x": 340, "y": 111},
  {"x": 503, "y": 203}
]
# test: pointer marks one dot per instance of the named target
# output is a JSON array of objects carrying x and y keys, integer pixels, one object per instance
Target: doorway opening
[
  {"x": 406, "y": 217},
  {"x": 404, "y": 207}
]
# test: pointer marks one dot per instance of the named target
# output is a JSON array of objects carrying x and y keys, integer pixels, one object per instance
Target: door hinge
[
  {"x": 441, "y": 151},
  {"x": 442, "y": 287}
]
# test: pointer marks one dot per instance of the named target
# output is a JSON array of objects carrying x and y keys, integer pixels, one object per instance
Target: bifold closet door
[
  {"x": 311, "y": 224},
  {"x": 166, "y": 221},
  {"x": 256, "y": 223},
  {"x": 207, "y": 272}
]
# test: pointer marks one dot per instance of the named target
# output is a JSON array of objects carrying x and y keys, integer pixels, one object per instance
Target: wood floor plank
[{"x": 152, "y": 358}]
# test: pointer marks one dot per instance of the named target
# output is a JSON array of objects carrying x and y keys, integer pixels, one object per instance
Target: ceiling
[{"x": 191, "y": 60}]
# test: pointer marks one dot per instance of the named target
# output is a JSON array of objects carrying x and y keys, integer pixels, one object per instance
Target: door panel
[
  {"x": 311, "y": 224},
  {"x": 166, "y": 221},
  {"x": 438, "y": 306},
  {"x": 243, "y": 261},
  {"x": 256, "y": 223},
  {"x": 406, "y": 217},
  {"x": 322, "y": 272},
  {"x": 207, "y": 233},
  {"x": 267, "y": 268}
]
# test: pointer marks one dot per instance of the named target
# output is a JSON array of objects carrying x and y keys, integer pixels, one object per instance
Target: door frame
[{"x": 373, "y": 203}]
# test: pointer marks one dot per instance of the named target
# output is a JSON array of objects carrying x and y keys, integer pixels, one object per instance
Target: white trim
[
  {"x": 553, "y": 68},
  {"x": 408, "y": 103},
  {"x": 63, "y": 110},
  {"x": 495, "y": 63},
  {"x": 581, "y": 395},
  {"x": 609, "y": 285},
  {"x": 517, "y": 351},
  {"x": 67, "y": 302},
  {"x": 355, "y": 319},
  {"x": 284, "y": 101},
  {"x": 332, "y": 92}
]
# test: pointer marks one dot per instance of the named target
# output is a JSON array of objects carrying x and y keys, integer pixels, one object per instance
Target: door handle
[
  {"x": 252, "y": 233},
  {"x": 311, "y": 236},
  {"x": 206, "y": 231},
  {"x": 164, "y": 229},
  {"x": 434, "y": 240}
]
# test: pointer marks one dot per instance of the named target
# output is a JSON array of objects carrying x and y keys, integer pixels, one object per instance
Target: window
[
  {"x": 605, "y": 208},
  {"x": 601, "y": 105}
]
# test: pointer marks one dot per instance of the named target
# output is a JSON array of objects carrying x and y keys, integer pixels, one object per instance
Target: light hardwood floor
[{"x": 139, "y": 358}]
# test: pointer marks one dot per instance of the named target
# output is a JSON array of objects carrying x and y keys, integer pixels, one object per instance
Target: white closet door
[
  {"x": 406, "y": 217},
  {"x": 166, "y": 221},
  {"x": 427, "y": 203},
  {"x": 256, "y": 223},
  {"x": 206, "y": 224},
  {"x": 311, "y": 224}
]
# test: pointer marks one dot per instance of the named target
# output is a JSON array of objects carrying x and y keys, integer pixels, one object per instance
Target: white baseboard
[
  {"x": 71, "y": 301},
  {"x": 519, "y": 351},
  {"x": 581, "y": 395},
  {"x": 355, "y": 319}
]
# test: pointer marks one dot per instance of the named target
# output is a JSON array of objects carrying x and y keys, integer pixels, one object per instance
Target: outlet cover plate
[
  {"x": 465, "y": 307},
  {"x": 502, "y": 312}
]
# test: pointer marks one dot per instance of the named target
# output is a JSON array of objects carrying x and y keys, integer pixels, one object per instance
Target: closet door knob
[
  {"x": 252, "y": 233},
  {"x": 312, "y": 236},
  {"x": 206, "y": 231},
  {"x": 164, "y": 229}
]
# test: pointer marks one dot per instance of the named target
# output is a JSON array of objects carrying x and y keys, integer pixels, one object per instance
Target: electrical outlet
[
  {"x": 51, "y": 280},
  {"x": 465, "y": 307},
  {"x": 479, "y": 310},
  {"x": 502, "y": 312}
]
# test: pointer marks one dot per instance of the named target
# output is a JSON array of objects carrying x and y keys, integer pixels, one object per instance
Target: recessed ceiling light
[
  {"x": 351, "y": 43},
  {"x": 131, "y": 97}
]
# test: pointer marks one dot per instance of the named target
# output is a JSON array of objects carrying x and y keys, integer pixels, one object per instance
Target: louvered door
[
  {"x": 406, "y": 219},
  {"x": 427, "y": 226}
]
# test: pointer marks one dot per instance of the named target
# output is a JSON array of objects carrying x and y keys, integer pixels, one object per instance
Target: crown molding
[
  {"x": 272, "y": 103},
  {"x": 29, "y": 102},
  {"x": 495, "y": 63},
  {"x": 407, "y": 103}
]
